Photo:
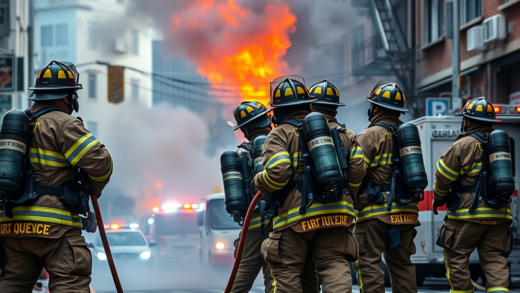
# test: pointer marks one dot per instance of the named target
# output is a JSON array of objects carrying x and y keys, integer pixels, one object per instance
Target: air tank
[
  {"x": 233, "y": 183},
  {"x": 258, "y": 143},
  {"x": 323, "y": 155},
  {"x": 501, "y": 177},
  {"x": 410, "y": 154},
  {"x": 14, "y": 144}
]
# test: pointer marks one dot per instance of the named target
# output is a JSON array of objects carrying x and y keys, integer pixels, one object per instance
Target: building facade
[
  {"x": 15, "y": 56},
  {"x": 410, "y": 42},
  {"x": 86, "y": 33},
  {"x": 488, "y": 68}
]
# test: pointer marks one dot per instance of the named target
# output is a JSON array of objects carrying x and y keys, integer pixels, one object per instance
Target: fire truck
[{"x": 437, "y": 134}]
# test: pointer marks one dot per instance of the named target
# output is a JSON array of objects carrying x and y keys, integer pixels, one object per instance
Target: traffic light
[{"x": 116, "y": 84}]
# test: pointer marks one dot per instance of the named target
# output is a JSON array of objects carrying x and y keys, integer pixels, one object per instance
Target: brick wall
[{"x": 438, "y": 57}]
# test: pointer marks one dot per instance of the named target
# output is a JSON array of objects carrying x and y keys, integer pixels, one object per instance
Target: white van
[{"x": 218, "y": 231}]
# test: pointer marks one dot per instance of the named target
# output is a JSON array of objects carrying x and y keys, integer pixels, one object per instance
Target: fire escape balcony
[{"x": 370, "y": 58}]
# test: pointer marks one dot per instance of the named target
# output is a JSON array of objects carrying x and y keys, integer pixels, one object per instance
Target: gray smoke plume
[{"x": 159, "y": 156}]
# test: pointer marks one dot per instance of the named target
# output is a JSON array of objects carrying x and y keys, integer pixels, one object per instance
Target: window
[
  {"x": 120, "y": 1},
  {"x": 62, "y": 31},
  {"x": 135, "y": 42},
  {"x": 469, "y": 10},
  {"x": 92, "y": 86},
  {"x": 92, "y": 127},
  {"x": 135, "y": 92},
  {"x": 434, "y": 25},
  {"x": 92, "y": 35},
  {"x": 46, "y": 35}
]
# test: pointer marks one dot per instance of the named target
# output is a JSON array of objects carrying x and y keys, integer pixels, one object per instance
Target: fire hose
[
  {"x": 103, "y": 235},
  {"x": 242, "y": 241}
]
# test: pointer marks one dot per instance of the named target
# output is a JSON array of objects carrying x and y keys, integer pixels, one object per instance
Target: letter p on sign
[{"x": 437, "y": 106}]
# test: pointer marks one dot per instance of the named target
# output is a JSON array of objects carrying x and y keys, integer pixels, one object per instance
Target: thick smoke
[{"x": 159, "y": 155}]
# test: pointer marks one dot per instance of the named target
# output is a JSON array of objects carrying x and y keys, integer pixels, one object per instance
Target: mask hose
[
  {"x": 104, "y": 239},
  {"x": 242, "y": 242}
]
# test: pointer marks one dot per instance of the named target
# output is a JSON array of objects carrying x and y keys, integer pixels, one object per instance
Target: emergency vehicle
[
  {"x": 218, "y": 231},
  {"x": 174, "y": 227},
  {"x": 437, "y": 134}
]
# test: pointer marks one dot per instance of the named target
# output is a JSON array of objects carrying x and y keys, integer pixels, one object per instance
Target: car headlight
[
  {"x": 146, "y": 255},
  {"x": 220, "y": 245},
  {"x": 101, "y": 256}
]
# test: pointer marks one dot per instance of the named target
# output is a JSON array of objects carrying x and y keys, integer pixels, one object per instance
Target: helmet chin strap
[
  {"x": 73, "y": 103},
  {"x": 370, "y": 113}
]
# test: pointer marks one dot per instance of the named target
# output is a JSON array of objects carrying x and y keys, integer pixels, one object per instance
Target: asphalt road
[
  {"x": 430, "y": 286},
  {"x": 187, "y": 277}
]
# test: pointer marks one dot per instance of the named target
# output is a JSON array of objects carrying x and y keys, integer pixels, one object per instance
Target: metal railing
[{"x": 367, "y": 52}]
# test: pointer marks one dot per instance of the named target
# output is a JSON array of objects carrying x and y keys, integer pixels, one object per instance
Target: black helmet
[
  {"x": 290, "y": 92},
  {"x": 388, "y": 95},
  {"x": 326, "y": 93},
  {"x": 246, "y": 112},
  {"x": 479, "y": 109},
  {"x": 55, "y": 81}
]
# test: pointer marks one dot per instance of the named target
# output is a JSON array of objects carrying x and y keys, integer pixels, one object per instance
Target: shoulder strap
[
  {"x": 42, "y": 112},
  {"x": 389, "y": 127},
  {"x": 480, "y": 136},
  {"x": 294, "y": 122},
  {"x": 246, "y": 146}
]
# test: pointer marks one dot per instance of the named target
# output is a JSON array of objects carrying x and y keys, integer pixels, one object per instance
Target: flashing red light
[
  {"x": 498, "y": 109},
  {"x": 517, "y": 109},
  {"x": 114, "y": 226}
]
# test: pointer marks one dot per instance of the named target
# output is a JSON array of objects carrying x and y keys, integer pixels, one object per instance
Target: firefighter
[
  {"x": 321, "y": 230},
  {"x": 484, "y": 227},
  {"x": 327, "y": 103},
  {"x": 378, "y": 230},
  {"x": 253, "y": 120},
  {"x": 45, "y": 232}
]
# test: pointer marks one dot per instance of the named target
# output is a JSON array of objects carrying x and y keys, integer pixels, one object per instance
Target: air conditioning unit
[
  {"x": 475, "y": 39},
  {"x": 120, "y": 45},
  {"x": 494, "y": 28}
]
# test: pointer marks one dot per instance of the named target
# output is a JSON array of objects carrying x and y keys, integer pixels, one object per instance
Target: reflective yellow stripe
[
  {"x": 104, "y": 177},
  {"x": 42, "y": 214},
  {"x": 446, "y": 171},
  {"x": 498, "y": 289},
  {"x": 48, "y": 158},
  {"x": 481, "y": 212},
  {"x": 295, "y": 159},
  {"x": 440, "y": 191},
  {"x": 278, "y": 158},
  {"x": 360, "y": 277},
  {"x": 377, "y": 210},
  {"x": 80, "y": 148},
  {"x": 273, "y": 184},
  {"x": 382, "y": 159},
  {"x": 354, "y": 184},
  {"x": 274, "y": 281},
  {"x": 316, "y": 209},
  {"x": 356, "y": 153},
  {"x": 447, "y": 268}
]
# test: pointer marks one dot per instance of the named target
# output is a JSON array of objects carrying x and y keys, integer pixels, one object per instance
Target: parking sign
[{"x": 437, "y": 106}]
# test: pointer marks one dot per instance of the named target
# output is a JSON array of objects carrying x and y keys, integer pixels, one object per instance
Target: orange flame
[{"x": 249, "y": 48}]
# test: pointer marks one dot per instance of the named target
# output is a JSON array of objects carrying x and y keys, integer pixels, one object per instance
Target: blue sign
[{"x": 437, "y": 106}]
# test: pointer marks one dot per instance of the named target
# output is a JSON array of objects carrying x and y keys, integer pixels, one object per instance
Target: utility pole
[{"x": 456, "y": 102}]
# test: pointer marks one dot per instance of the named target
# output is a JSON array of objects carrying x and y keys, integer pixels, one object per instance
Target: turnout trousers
[
  {"x": 288, "y": 253},
  {"x": 493, "y": 243},
  {"x": 373, "y": 242},
  {"x": 67, "y": 259},
  {"x": 252, "y": 262}
]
